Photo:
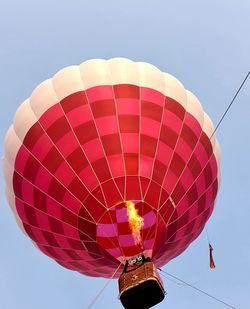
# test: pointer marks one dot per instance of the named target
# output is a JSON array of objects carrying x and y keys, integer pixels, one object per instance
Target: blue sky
[{"x": 206, "y": 45}]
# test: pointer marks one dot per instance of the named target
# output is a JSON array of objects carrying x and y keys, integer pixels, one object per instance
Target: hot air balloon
[{"x": 112, "y": 162}]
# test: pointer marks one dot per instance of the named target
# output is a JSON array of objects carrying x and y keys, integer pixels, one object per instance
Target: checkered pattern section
[
  {"x": 94, "y": 150},
  {"x": 114, "y": 233}
]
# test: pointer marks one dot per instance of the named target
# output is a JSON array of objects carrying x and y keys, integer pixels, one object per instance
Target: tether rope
[
  {"x": 229, "y": 106},
  {"x": 198, "y": 289},
  {"x": 103, "y": 288}
]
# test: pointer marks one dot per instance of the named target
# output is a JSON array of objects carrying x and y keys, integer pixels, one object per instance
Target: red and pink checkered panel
[{"x": 98, "y": 148}]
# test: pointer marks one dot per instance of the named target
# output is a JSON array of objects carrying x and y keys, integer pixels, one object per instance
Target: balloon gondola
[{"x": 112, "y": 163}]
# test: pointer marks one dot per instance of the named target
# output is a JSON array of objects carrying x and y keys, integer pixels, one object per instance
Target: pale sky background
[{"x": 206, "y": 45}]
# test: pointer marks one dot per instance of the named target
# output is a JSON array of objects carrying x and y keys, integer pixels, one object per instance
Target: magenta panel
[
  {"x": 151, "y": 95},
  {"x": 100, "y": 93},
  {"x": 107, "y": 125},
  {"x": 128, "y": 106},
  {"x": 79, "y": 115}
]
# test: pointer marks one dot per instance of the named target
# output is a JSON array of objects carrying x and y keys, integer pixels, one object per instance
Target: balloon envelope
[{"x": 96, "y": 136}]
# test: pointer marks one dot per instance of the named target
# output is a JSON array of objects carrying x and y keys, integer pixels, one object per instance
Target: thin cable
[
  {"x": 229, "y": 106},
  {"x": 177, "y": 283},
  {"x": 197, "y": 289},
  {"x": 207, "y": 235},
  {"x": 103, "y": 288},
  {"x": 174, "y": 281}
]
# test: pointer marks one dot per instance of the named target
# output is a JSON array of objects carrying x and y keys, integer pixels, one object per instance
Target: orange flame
[{"x": 136, "y": 222}]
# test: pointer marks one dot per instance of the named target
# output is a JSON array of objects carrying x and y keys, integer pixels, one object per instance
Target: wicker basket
[{"x": 141, "y": 287}]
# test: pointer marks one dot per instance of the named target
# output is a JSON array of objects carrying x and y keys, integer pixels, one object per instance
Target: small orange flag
[{"x": 212, "y": 265}]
